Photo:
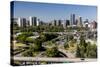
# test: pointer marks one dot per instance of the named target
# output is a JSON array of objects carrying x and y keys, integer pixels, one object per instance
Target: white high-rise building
[
  {"x": 33, "y": 21},
  {"x": 38, "y": 22},
  {"x": 30, "y": 21},
  {"x": 22, "y": 22},
  {"x": 19, "y": 22}
]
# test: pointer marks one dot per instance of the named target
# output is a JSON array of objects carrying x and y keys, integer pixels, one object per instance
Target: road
[
  {"x": 53, "y": 59},
  {"x": 68, "y": 54}
]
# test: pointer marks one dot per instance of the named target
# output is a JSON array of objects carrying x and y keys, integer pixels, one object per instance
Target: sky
[{"x": 49, "y": 11}]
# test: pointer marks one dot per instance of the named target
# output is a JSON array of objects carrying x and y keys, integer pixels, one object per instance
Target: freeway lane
[{"x": 53, "y": 59}]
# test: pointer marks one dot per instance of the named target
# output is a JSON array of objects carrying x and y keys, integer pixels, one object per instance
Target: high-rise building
[
  {"x": 59, "y": 23},
  {"x": 54, "y": 22},
  {"x": 67, "y": 22},
  {"x": 23, "y": 22},
  {"x": 64, "y": 24},
  {"x": 33, "y": 21},
  {"x": 72, "y": 19},
  {"x": 30, "y": 21},
  {"x": 79, "y": 24},
  {"x": 76, "y": 21},
  {"x": 19, "y": 22}
]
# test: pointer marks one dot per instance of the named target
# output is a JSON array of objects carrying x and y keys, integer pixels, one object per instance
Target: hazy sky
[{"x": 49, "y": 12}]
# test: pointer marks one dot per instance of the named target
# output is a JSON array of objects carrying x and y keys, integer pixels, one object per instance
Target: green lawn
[{"x": 20, "y": 44}]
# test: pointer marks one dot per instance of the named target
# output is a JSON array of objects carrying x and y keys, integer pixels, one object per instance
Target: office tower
[
  {"x": 72, "y": 19},
  {"x": 23, "y": 22},
  {"x": 59, "y": 23},
  {"x": 79, "y": 24},
  {"x": 38, "y": 22},
  {"x": 67, "y": 22},
  {"x": 30, "y": 21},
  {"x": 19, "y": 22},
  {"x": 64, "y": 24},
  {"x": 54, "y": 22},
  {"x": 33, "y": 21},
  {"x": 76, "y": 21}
]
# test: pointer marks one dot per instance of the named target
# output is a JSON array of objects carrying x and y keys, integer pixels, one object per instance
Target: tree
[
  {"x": 81, "y": 48},
  {"x": 66, "y": 45},
  {"x": 30, "y": 52},
  {"x": 38, "y": 44},
  {"x": 91, "y": 51},
  {"x": 78, "y": 54},
  {"x": 29, "y": 40},
  {"x": 86, "y": 50},
  {"x": 21, "y": 38},
  {"x": 82, "y": 41},
  {"x": 70, "y": 37},
  {"x": 52, "y": 52}
]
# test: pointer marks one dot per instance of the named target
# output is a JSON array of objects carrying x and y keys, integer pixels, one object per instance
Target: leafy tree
[
  {"x": 38, "y": 44},
  {"x": 70, "y": 37},
  {"x": 29, "y": 40},
  {"x": 91, "y": 51},
  {"x": 86, "y": 50},
  {"x": 52, "y": 52},
  {"x": 21, "y": 38},
  {"x": 66, "y": 45},
  {"x": 30, "y": 52},
  {"x": 78, "y": 54}
]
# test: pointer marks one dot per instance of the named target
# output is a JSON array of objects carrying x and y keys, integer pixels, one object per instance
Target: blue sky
[{"x": 48, "y": 12}]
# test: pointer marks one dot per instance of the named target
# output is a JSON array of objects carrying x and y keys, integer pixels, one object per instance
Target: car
[{"x": 82, "y": 59}]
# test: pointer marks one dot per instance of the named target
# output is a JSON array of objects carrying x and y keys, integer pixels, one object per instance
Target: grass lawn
[{"x": 19, "y": 44}]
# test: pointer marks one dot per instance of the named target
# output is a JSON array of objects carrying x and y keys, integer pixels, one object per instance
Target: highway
[
  {"x": 50, "y": 59},
  {"x": 68, "y": 54}
]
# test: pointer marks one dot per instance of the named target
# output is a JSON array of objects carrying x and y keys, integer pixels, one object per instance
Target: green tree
[
  {"x": 66, "y": 45},
  {"x": 29, "y": 40},
  {"x": 78, "y": 54},
  {"x": 91, "y": 51},
  {"x": 38, "y": 44},
  {"x": 30, "y": 52},
  {"x": 52, "y": 52},
  {"x": 86, "y": 50}
]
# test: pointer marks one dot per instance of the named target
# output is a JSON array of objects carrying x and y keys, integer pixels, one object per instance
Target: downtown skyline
[{"x": 48, "y": 11}]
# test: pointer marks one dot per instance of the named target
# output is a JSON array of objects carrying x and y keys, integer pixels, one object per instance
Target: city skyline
[{"x": 47, "y": 12}]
